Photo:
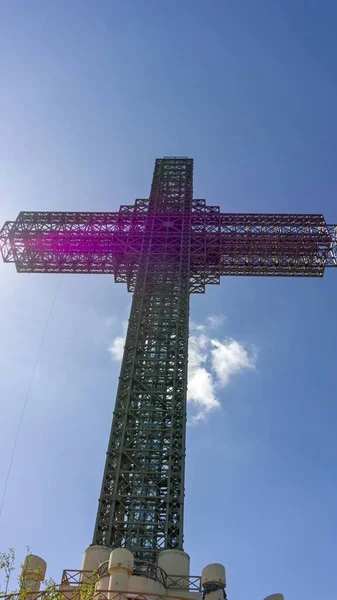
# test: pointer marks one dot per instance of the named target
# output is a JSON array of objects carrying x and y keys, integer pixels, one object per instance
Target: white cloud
[
  {"x": 196, "y": 326},
  {"x": 116, "y": 347},
  {"x": 201, "y": 389},
  {"x": 229, "y": 358},
  {"x": 211, "y": 364},
  {"x": 197, "y": 347},
  {"x": 215, "y": 321}
]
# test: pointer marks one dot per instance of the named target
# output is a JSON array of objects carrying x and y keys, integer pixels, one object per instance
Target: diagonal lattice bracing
[
  {"x": 221, "y": 244},
  {"x": 142, "y": 498},
  {"x": 164, "y": 248}
]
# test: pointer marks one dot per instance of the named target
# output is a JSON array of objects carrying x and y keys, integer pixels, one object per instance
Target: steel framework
[{"x": 164, "y": 248}]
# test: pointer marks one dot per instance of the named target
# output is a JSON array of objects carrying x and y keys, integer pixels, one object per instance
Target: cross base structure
[{"x": 117, "y": 575}]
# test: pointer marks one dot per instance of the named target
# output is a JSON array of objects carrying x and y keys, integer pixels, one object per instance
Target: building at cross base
[
  {"x": 164, "y": 248},
  {"x": 117, "y": 575}
]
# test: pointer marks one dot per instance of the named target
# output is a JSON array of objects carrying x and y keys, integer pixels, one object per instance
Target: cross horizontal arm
[
  {"x": 220, "y": 243},
  {"x": 69, "y": 242},
  {"x": 263, "y": 244}
]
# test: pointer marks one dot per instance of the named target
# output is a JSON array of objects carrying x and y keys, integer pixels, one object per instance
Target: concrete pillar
[
  {"x": 176, "y": 565},
  {"x": 93, "y": 557},
  {"x": 34, "y": 571},
  {"x": 213, "y": 580},
  {"x": 120, "y": 568}
]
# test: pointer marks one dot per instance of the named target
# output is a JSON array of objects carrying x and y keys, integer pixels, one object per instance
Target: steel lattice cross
[{"x": 164, "y": 248}]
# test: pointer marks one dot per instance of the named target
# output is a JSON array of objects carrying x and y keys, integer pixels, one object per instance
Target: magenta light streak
[
  {"x": 83, "y": 243},
  {"x": 220, "y": 243}
]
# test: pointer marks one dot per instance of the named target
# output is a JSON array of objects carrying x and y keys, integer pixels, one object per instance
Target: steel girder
[
  {"x": 220, "y": 243},
  {"x": 142, "y": 498}
]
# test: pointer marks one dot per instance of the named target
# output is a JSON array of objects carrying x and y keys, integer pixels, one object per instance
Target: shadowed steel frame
[{"x": 164, "y": 248}]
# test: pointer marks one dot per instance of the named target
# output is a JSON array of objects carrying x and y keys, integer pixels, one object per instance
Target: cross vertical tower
[{"x": 142, "y": 498}]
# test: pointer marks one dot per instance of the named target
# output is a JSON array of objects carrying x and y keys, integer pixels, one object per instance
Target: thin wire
[{"x": 27, "y": 395}]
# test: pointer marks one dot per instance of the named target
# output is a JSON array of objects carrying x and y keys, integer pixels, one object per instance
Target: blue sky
[{"x": 91, "y": 94}]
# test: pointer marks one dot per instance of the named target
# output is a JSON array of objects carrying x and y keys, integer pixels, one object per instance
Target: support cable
[{"x": 27, "y": 395}]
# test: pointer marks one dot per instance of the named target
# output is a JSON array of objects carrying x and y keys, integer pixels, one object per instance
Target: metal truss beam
[
  {"x": 142, "y": 498},
  {"x": 164, "y": 248},
  {"x": 221, "y": 244}
]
